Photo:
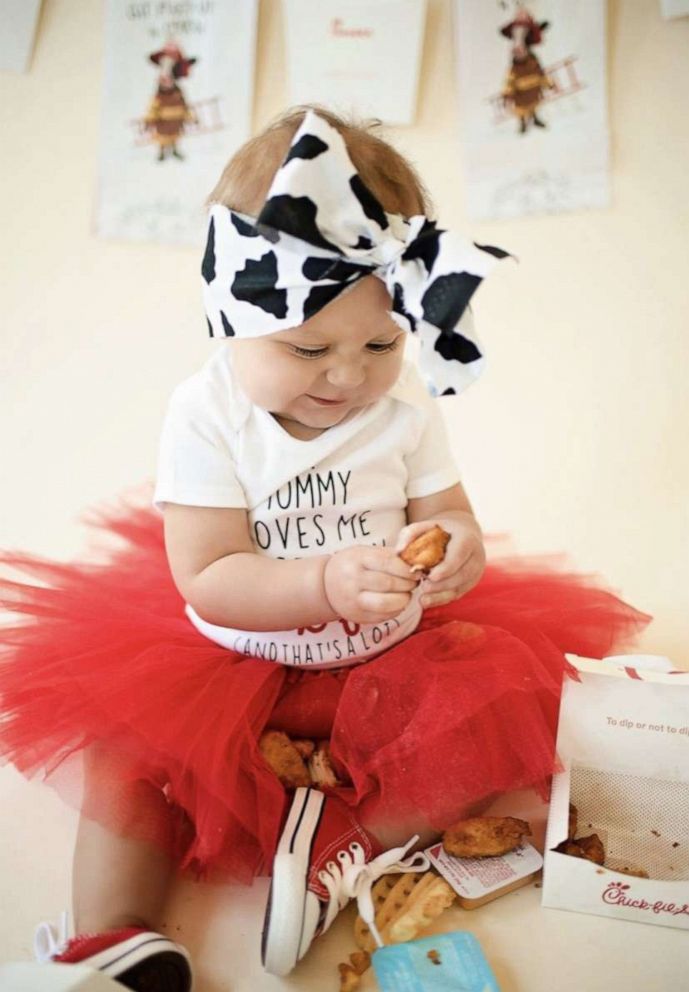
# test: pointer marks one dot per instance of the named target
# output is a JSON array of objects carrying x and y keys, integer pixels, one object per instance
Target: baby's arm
[
  {"x": 452, "y": 503},
  {"x": 227, "y": 583},
  {"x": 217, "y": 571}
]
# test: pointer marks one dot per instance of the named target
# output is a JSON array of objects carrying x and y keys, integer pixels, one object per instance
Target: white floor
[{"x": 531, "y": 949}]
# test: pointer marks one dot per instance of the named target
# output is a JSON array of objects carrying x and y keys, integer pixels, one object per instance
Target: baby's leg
[{"x": 119, "y": 881}]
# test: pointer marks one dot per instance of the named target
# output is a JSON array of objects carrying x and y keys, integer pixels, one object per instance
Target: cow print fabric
[{"x": 320, "y": 230}]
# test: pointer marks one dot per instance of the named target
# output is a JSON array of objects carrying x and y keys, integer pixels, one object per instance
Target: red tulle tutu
[{"x": 105, "y": 659}]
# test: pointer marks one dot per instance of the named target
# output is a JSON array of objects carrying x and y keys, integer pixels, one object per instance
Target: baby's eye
[
  {"x": 377, "y": 349},
  {"x": 390, "y": 346},
  {"x": 307, "y": 353}
]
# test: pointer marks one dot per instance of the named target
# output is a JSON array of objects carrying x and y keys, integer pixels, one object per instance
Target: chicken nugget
[
  {"x": 590, "y": 848},
  {"x": 572, "y": 821},
  {"x": 426, "y": 551},
  {"x": 350, "y": 980},
  {"x": 593, "y": 849},
  {"x": 485, "y": 836},
  {"x": 320, "y": 767},
  {"x": 360, "y": 961},
  {"x": 305, "y": 748},
  {"x": 570, "y": 847},
  {"x": 280, "y": 753}
]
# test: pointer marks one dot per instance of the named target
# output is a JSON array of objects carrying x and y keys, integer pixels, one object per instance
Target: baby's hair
[{"x": 248, "y": 175}]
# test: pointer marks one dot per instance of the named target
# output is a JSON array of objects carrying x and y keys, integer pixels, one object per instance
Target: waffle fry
[{"x": 404, "y": 906}]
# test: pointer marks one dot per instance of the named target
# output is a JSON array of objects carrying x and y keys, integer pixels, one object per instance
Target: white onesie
[{"x": 350, "y": 485}]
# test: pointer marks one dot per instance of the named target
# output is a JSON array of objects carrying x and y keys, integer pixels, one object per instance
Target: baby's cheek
[
  {"x": 285, "y": 384},
  {"x": 393, "y": 368}
]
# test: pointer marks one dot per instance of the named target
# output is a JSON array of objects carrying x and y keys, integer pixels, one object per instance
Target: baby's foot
[
  {"x": 324, "y": 858},
  {"x": 139, "y": 959}
]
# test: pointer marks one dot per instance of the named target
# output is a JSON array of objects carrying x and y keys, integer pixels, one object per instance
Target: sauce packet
[
  {"x": 445, "y": 962},
  {"x": 480, "y": 880}
]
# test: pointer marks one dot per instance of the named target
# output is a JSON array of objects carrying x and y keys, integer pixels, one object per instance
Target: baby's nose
[{"x": 346, "y": 375}]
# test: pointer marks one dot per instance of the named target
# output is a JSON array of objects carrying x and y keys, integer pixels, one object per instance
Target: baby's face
[{"x": 351, "y": 351}]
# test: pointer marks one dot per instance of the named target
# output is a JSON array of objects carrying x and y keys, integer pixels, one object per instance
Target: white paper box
[
  {"x": 623, "y": 739},
  {"x": 359, "y": 56}
]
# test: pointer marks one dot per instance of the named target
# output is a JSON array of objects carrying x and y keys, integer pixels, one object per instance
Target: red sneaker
[
  {"x": 136, "y": 958},
  {"x": 324, "y": 858}
]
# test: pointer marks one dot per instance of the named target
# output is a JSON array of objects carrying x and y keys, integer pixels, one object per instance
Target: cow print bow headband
[{"x": 319, "y": 231}]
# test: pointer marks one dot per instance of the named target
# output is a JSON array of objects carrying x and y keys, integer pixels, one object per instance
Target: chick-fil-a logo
[
  {"x": 337, "y": 26},
  {"x": 618, "y": 894}
]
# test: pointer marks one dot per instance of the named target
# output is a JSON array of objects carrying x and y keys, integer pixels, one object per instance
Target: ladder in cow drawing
[
  {"x": 565, "y": 83},
  {"x": 208, "y": 118}
]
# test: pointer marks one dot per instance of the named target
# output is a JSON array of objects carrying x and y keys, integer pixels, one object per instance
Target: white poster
[
  {"x": 19, "y": 19},
  {"x": 533, "y": 106},
  {"x": 177, "y": 96},
  {"x": 355, "y": 56},
  {"x": 674, "y": 8}
]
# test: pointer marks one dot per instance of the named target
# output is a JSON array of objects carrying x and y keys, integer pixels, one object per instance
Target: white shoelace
[
  {"x": 49, "y": 940},
  {"x": 354, "y": 877}
]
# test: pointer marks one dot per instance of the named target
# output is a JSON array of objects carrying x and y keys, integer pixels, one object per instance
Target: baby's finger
[
  {"x": 463, "y": 559},
  {"x": 384, "y": 582},
  {"x": 437, "y": 593},
  {"x": 448, "y": 570},
  {"x": 386, "y": 562},
  {"x": 388, "y": 604},
  {"x": 438, "y": 598}
]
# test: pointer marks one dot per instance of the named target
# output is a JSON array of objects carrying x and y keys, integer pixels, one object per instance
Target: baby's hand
[
  {"x": 464, "y": 560},
  {"x": 368, "y": 585}
]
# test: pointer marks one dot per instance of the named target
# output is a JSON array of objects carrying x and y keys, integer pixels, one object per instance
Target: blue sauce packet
[{"x": 446, "y": 962}]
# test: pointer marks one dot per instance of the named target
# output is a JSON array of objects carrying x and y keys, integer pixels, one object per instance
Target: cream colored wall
[{"x": 575, "y": 439}]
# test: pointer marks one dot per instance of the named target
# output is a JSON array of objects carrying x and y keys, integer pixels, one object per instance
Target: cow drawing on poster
[
  {"x": 533, "y": 105},
  {"x": 523, "y": 90},
  {"x": 168, "y": 112},
  {"x": 177, "y": 97},
  {"x": 528, "y": 84}
]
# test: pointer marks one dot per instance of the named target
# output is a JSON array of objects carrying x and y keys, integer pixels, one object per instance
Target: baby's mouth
[{"x": 325, "y": 402}]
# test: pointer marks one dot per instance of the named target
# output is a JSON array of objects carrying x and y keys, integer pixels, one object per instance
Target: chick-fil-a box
[{"x": 623, "y": 796}]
